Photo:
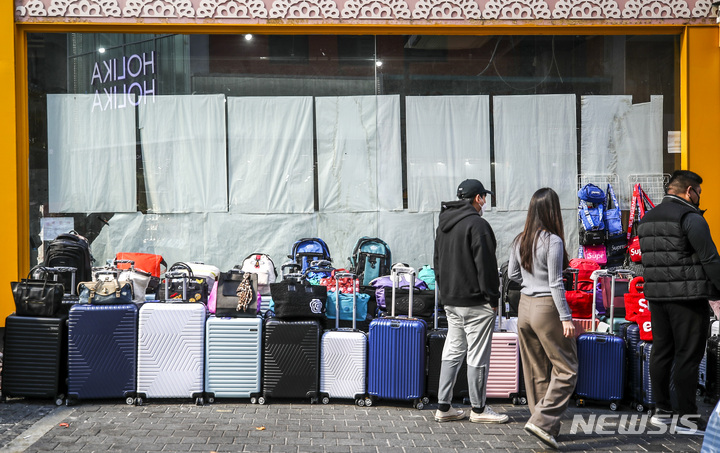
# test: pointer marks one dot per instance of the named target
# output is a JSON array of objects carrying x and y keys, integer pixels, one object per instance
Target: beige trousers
[{"x": 549, "y": 361}]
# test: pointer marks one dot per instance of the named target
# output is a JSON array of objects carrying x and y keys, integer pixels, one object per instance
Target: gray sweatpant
[{"x": 469, "y": 335}]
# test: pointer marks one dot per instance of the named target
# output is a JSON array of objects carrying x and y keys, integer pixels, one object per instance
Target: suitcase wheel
[
  {"x": 523, "y": 400},
  {"x": 199, "y": 401},
  {"x": 130, "y": 400},
  {"x": 325, "y": 400},
  {"x": 639, "y": 407},
  {"x": 360, "y": 402},
  {"x": 138, "y": 401},
  {"x": 419, "y": 405},
  {"x": 516, "y": 401},
  {"x": 426, "y": 400},
  {"x": 253, "y": 400},
  {"x": 261, "y": 400},
  {"x": 59, "y": 400},
  {"x": 613, "y": 406},
  {"x": 210, "y": 400},
  {"x": 580, "y": 402},
  {"x": 369, "y": 402}
]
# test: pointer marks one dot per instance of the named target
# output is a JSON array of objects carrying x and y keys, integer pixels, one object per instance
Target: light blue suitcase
[
  {"x": 232, "y": 358},
  {"x": 396, "y": 354}
]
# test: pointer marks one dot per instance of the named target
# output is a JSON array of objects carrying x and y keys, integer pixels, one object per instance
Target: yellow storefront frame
[{"x": 699, "y": 103}]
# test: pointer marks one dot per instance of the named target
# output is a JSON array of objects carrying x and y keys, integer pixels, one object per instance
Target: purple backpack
[{"x": 385, "y": 281}]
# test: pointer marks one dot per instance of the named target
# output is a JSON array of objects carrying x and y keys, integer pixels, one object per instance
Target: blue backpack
[
  {"x": 591, "y": 213},
  {"x": 371, "y": 258},
  {"x": 306, "y": 250}
]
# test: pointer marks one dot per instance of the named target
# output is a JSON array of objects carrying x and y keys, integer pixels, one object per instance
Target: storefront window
[{"x": 212, "y": 147}]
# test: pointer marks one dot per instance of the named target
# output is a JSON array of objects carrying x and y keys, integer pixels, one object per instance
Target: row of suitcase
[{"x": 174, "y": 351}]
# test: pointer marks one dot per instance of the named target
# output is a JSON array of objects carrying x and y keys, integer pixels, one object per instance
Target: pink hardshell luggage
[
  {"x": 504, "y": 373},
  {"x": 343, "y": 355}
]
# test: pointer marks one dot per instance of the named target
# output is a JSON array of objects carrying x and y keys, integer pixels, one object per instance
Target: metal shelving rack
[{"x": 652, "y": 184}]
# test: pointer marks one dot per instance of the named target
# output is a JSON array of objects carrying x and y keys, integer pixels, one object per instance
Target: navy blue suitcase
[
  {"x": 35, "y": 358},
  {"x": 601, "y": 361},
  {"x": 631, "y": 334},
  {"x": 102, "y": 352},
  {"x": 291, "y": 359},
  {"x": 396, "y": 354}
]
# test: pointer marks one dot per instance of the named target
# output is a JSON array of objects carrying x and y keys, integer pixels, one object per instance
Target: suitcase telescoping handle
[
  {"x": 594, "y": 277},
  {"x": 61, "y": 270},
  {"x": 437, "y": 307},
  {"x": 352, "y": 277},
  {"x": 395, "y": 274},
  {"x": 130, "y": 262},
  {"x": 176, "y": 275}
]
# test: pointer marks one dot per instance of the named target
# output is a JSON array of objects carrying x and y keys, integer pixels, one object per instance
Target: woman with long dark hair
[{"x": 545, "y": 329}]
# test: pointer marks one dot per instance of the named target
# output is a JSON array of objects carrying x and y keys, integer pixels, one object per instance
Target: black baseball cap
[{"x": 471, "y": 187}]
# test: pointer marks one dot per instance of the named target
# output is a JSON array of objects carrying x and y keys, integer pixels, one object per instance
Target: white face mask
[{"x": 482, "y": 208}]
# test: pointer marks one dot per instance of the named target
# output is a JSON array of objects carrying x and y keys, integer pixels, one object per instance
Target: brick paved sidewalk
[{"x": 227, "y": 426}]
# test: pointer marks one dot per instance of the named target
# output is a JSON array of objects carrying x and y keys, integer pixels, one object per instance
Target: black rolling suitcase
[
  {"x": 291, "y": 359},
  {"x": 35, "y": 358},
  {"x": 712, "y": 382},
  {"x": 435, "y": 344}
]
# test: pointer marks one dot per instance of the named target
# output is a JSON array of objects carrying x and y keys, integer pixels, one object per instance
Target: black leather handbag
[
  {"x": 236, "y": 294},
  {"x": 298, "y": 300},
  {"x": 37, "y": 297}
]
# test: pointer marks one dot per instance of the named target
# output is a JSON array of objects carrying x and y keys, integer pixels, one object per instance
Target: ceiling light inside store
[
  {"x": 248, "y": 37},
  {"x": 378, "y": 64},
  {"x": 101, "y": 50}
]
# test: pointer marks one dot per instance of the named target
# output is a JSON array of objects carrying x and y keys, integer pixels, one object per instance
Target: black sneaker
[
  {"x": 695, "y": 425},
  {"x": 662, "y": 417}
]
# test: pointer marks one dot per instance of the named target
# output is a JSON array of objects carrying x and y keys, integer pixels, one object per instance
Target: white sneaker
[
  {"x": 541, "y": 434},
  {"x": 450, "y": 415},
  {"x": 661, "y": 418},
  {"x": 488, "y": 416}
]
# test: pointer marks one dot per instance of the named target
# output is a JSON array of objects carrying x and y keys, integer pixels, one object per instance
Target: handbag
[
  {"x": 37, "y": 297},
  {"x": 346, "y": 306},
  {"x": 138, "y": 279},
  {"x": 146, "y": 262},
  {"x": 634, "y": 297},
  {"x": 596, "y": 253},
  {"x": 423, "y": 301},
  {"x": 644, "y": 321},
  {"x": 580, "y": 303},
  {"x": 613, "y": 215},
  {"x": 179, "y": 287},
  {"x": 105, "y": 292},
  {"x": 298, "y": 300},
  {"x": 237, "y": 294},
  {"x": 639, "y": 204}
]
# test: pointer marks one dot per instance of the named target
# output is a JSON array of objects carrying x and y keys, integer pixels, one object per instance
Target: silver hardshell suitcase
[
  {"x": 232, "y": 358},
  {"x": 343, "y": 355},
  {"x": 171, "y": 349}
]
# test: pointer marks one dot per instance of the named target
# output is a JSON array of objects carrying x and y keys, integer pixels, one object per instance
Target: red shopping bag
[
  {"x": 644, "y": 321},
  {"x": 634, "y": 297},
  {"x": 580, "y": 303}
]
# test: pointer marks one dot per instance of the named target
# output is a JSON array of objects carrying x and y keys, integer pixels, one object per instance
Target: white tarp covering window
[
  {"x": 184, "y": 153},
  {"x": 358, "y": 149},
  {"x": 410, "y": 236},
  {"x": 621, "y": 138},
  {"x": 448, "y": 140},
  {"x": 91, "y": 155},
  {"x": 535, "y": 147},
  {"x": 221, "y": 239},
  {"x": 270, "y": 154}
]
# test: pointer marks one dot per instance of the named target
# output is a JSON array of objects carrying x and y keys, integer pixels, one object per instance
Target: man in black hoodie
[{"x": 466, "y": 273}]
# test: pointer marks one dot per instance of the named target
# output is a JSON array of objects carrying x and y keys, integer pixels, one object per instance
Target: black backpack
[
  {"x": 70, "y": 250},
  {"x": 510, "y": 292}
]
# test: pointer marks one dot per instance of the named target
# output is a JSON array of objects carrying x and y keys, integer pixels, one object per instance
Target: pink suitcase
[
  {"x": 584, "y": 325},
  {"x": 504, "y": 375}
]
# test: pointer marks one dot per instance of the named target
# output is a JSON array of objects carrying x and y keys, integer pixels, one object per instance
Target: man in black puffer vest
[{"x": 682, "y": 272}]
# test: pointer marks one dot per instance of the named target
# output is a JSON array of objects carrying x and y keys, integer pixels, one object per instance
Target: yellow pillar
[
  {"x": 11, "y": 223},
  {"x": 700, "y": 85}
]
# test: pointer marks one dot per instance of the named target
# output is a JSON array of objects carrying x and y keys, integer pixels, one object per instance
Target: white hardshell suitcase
[
  {"x": 343, "y": 356},
  {"x": 171, "y": 349},
  {"x": 232, "y": 358}
]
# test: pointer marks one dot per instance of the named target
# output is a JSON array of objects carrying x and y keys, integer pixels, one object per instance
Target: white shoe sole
[
  {"x": 502, "y": 420},
  {"x": 539, "y": 435}
]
